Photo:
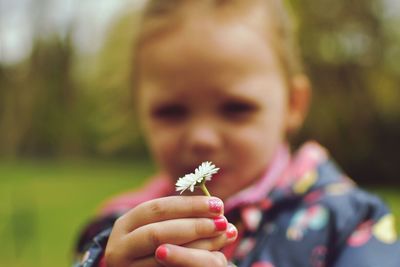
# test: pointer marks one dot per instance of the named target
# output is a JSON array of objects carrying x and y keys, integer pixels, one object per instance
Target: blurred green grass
[{"x": 44, "y": 204}]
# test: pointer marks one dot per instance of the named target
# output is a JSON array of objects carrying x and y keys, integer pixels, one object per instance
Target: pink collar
[{"x": 259, "y": 190}]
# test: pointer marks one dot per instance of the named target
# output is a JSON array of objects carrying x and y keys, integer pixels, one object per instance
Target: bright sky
[{"x": 23, "y": 20}]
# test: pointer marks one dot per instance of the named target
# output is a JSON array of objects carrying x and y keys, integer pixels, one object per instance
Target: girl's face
[{"x": 212, "y": 92}]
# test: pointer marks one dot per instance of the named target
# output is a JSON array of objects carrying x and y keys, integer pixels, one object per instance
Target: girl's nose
[{"x": 203, "y": 139}]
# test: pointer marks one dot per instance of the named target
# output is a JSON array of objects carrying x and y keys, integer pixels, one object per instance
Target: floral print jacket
[{"x": 312, "y": 215}]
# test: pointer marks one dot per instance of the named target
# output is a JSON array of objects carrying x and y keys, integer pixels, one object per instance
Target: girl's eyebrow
[
  {"x": 244, "y": 92},
  {"x": 241, "y": 98}
]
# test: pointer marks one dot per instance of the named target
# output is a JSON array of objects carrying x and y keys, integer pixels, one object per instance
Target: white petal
[{"x": 189, "y": 181}]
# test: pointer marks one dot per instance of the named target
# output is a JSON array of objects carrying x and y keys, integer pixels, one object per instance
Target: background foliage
[
  {"x": 58, "y": 102},
  {"x": 352, "y": 55}
]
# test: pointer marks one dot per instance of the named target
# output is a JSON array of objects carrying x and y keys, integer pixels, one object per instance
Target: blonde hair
[{"x": 160, "y": 16}]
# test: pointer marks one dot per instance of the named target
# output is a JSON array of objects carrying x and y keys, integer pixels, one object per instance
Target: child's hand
[{"x": 192, "y": 226}]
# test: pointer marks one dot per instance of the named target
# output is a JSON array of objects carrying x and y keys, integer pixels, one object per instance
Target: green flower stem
[{"x": 204, "y": 188}]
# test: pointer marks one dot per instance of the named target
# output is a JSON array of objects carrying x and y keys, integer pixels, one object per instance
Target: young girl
[{"x": 220, "y": 81}]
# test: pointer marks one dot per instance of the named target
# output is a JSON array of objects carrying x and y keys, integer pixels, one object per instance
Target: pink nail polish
[
  {"x": 220, "y": 223},
  {"x": 161, "y": 252},
  {"x": 231, "y": 232},
  {"x": 215, "y": 205}
]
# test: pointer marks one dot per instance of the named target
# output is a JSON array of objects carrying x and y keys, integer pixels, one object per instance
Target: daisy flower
[{"x": 202, "y": 174}]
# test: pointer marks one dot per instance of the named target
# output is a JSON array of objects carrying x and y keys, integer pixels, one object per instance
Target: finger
[
  {"x": 178, "y": 231},
  {"x": 145, "y": 262},
  {"x": 115, "y": 260},
  {"x": 168, "y": 208},
  {"x": 177, "y": 256},
  {"x": 215, "y": 243}
]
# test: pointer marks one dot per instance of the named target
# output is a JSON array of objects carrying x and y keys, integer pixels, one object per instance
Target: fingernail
[
  {"x": 231, "y": 232},
  {"x": 216, "y": 205},
  {"x": 220, "y": 223},
  {"x": 161, "y": 252}
]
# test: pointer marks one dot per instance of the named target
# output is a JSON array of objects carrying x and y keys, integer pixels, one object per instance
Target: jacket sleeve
[
  {"x": 89, "y": 250},
  {"x": 371, "y": 238},
  {"x": 373, "y": 243}
]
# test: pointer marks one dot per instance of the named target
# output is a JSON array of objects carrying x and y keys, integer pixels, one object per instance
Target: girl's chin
[{"x": 222, "y": 187}]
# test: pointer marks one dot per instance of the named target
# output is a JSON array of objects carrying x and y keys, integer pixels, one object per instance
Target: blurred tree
[
  {"x": 40, "y": 112},
  {"x": 109, "y": 84},
  {"x": 54, "y": 118},
  {"x": 347, "y": 49}
]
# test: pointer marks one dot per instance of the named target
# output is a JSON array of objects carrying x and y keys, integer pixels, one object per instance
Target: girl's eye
[
  {"x": 170, "y": 112},
  {"x": 238, "y": 110}
]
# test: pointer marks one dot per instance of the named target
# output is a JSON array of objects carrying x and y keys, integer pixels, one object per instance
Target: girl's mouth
[{"x": 217, "y": 175}]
